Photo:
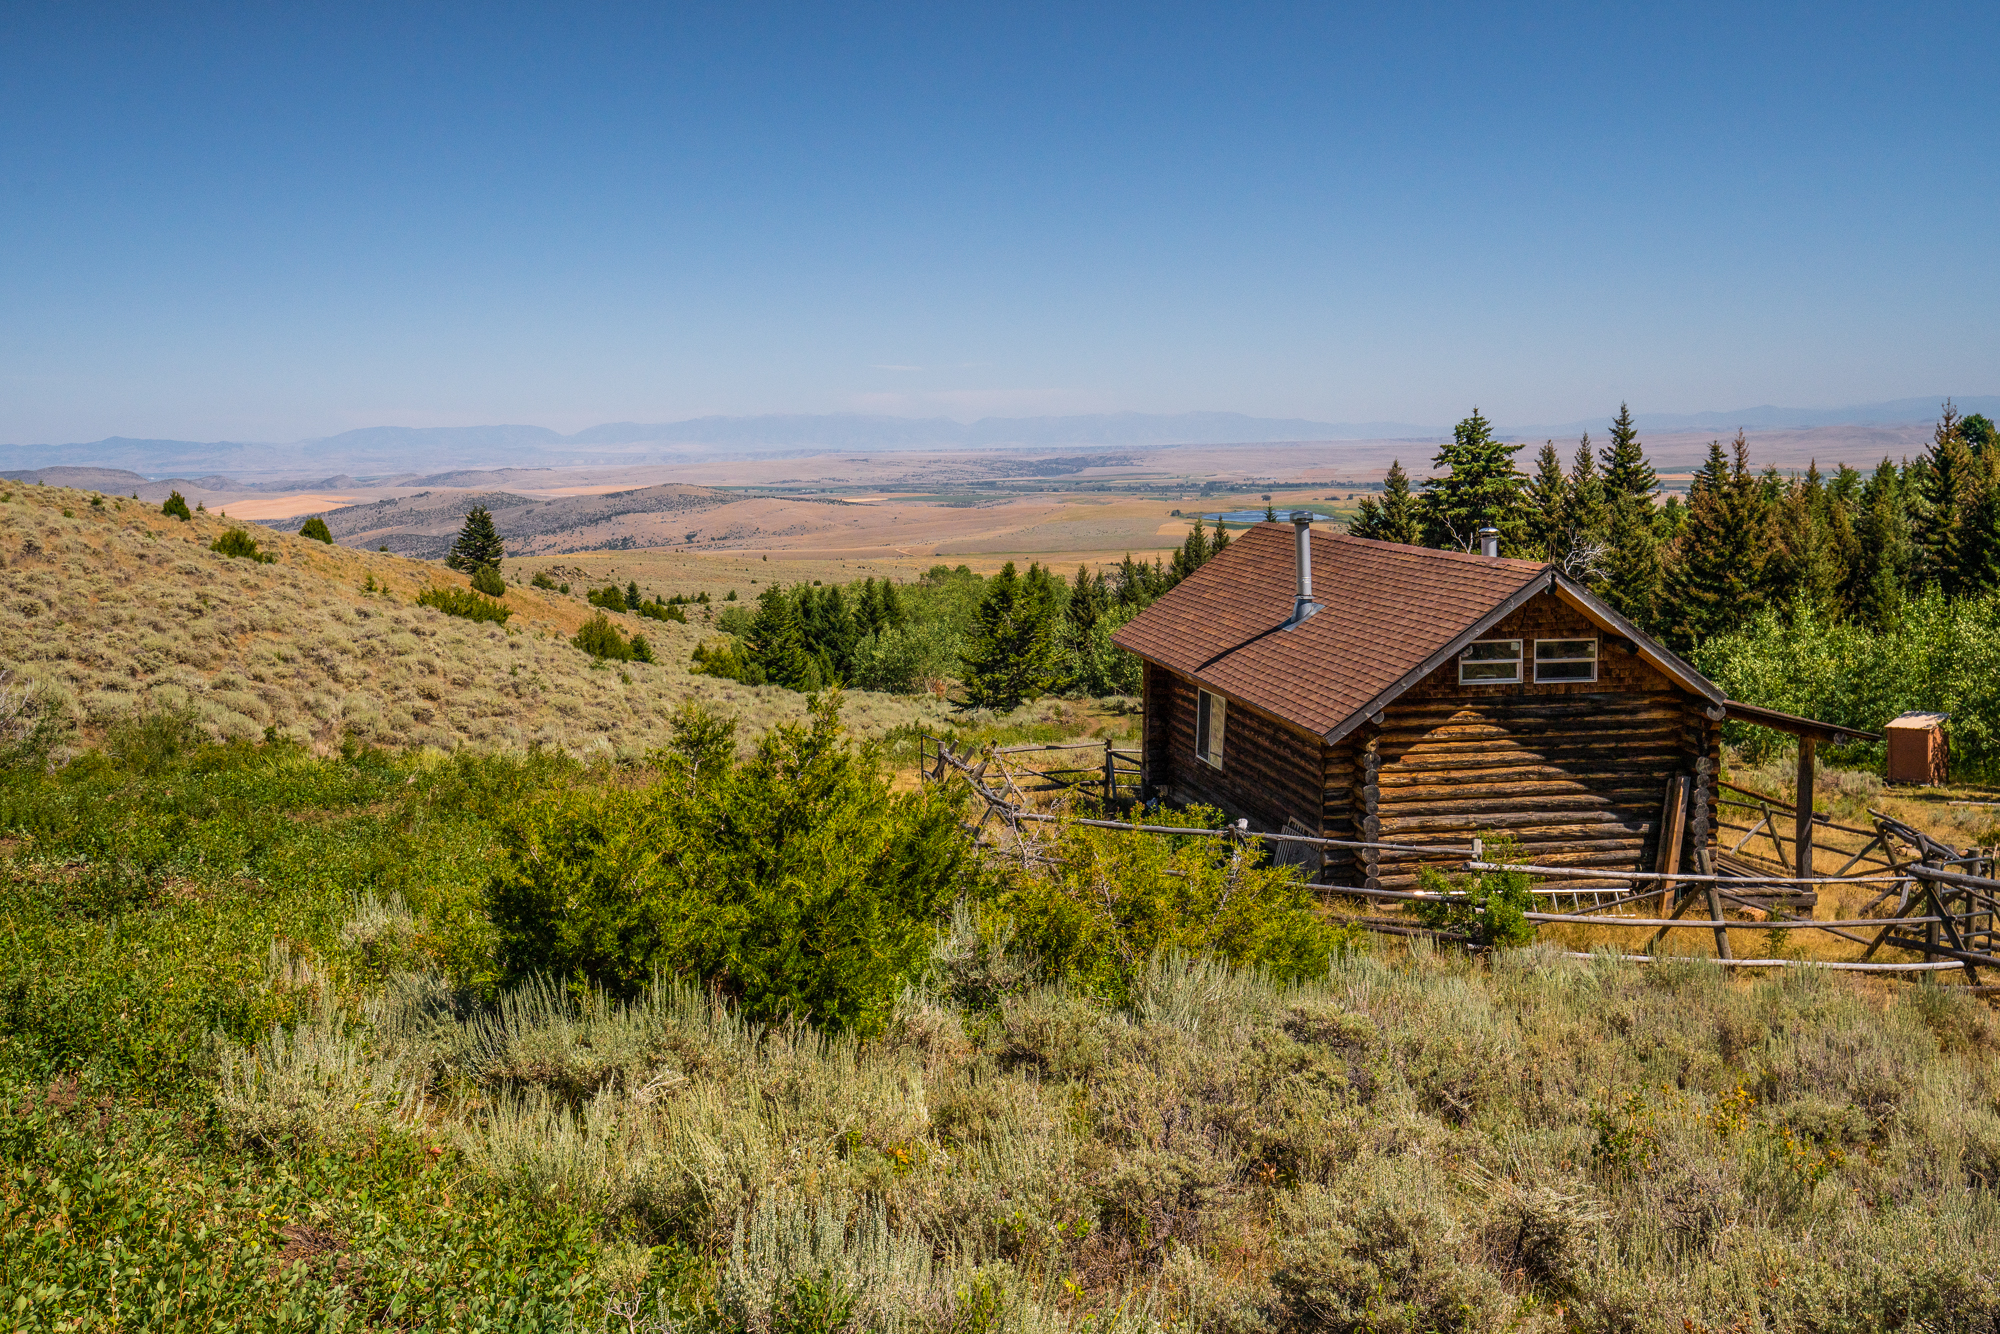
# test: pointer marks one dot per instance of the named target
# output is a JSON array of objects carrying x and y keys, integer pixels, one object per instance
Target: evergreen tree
[
  {"x": 478, "y": 542},
  {"x": 176, "y": 505},
  {"x": 316, "y": 529},
  {"x": 488, "y": 581},
  {"x": 1632, "y": 568},
  {"x": 632, "y": 598},
  {"x": 1803, "y": 569},
  {"x": 1479, "y": 486},
  {"x": 1270, "y": 514},
  {"x": 1588, "y": 519},
  {"x": 1716, "y": 580},
  {"x": 1881, "y": 576},
  {"x": 1011, "y": 657},
  {"x": 1394, "y": 518},
  {"x": 775, "y": 645},
  {"x": 892, "y": 605},
  {"x": 1547, "y": 506}
]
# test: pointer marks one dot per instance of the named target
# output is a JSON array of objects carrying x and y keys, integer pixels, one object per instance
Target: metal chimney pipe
[
  {"x": 1303, "y": 604},
  {"x": 1489, "y": 542}
]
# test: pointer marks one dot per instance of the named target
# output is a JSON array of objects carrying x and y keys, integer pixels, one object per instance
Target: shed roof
[{"x": 1389, "y": 616}]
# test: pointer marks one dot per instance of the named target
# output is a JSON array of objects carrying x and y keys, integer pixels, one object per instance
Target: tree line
[
  {"x": 1852, "y": 546},
  {"x": 990, "y": 642}
]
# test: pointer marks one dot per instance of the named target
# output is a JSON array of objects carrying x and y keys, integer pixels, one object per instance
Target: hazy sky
[{"x": 261, "y": 222}]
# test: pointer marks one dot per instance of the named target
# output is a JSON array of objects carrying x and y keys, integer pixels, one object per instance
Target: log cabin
[{"x": 1369, "y": 691}]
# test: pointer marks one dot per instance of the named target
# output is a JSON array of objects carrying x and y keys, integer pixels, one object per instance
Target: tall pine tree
[
  {"x": 1011, "y": 659},
  {"x": 1548, "y": 506},
  {"x": 1632, "y": 568},
  {"x": 1479, "y": 486},
  {"x": 1882, "y": 574},
  {"x": 1716, "y": 579},
  {"x": 478, "y": 544},
  {"x": 1394, "y": 519}
]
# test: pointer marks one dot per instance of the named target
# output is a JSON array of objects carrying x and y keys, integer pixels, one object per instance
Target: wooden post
[
  {"x": 1673, "y": 828},
  {"x": 1802, "y": 830},
  {"x": 1715, "y": 915},
  {"x": 1110, "y": 776}
]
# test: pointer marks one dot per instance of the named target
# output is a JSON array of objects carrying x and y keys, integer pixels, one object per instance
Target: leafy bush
[
  {"x": 236, "y": 542},
  {"x": 1942, "y": 654},
  {"x": 1107, "y": 902},
  {"x": 316, "y": 529},
  {"x": 486, "y": 579},
  {"x": 464, "y": 602},
  {"x": 794, "y": 880},
  {"x": 724, "y": 658},
  {"x": 610, "y": 597},
  {"x": 176, "y": 505},
  {"x": 1486, "y": 906},
  {"x": 543, "y": 580}
]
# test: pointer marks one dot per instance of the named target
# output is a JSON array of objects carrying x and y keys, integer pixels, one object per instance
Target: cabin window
[
  {"x": 1565, "y": 660},
  {"x": 1211, "y": 711},
  {"x": 1490, "y": 662}
]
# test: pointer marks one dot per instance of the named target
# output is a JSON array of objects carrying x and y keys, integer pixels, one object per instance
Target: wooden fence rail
[{"x": 1957, "y": 910}]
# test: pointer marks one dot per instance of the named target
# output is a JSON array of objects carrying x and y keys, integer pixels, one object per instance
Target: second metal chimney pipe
[
  {"x": 1489, "y": 542},
  {"x": 1303, "y": 604}
]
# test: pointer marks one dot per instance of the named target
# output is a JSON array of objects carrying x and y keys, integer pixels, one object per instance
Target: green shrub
[
  {"x": 794, "y": 880},
  {"x": 1107, "y": 902},
  {"x": 724, "y": 658},
  {"x": 486, "y": 579},
  {"x": 1487, "y": 906},
  {"x": 610, "y": 597},
  {"x": 176, "y": 505},
  {"x": 542, "y": 580},
  {"x": 464, "y": 602},
  {"x": 601, "y": 639},
  {"x": 237, "y": 542},
  {"x": 316, "y": 529}
]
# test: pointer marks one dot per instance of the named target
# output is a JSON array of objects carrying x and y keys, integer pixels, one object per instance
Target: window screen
[
  {"x": 1211, "y": 715},
  {"x": 1490, "y": 662},
  {"x": 1565, "y": 660}
]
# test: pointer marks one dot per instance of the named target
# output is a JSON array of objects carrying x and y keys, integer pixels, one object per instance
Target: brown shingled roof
[{"x": 1385, "y": 610}]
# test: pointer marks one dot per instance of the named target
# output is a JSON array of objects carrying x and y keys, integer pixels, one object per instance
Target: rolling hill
[{"x": 112, "y": 608}]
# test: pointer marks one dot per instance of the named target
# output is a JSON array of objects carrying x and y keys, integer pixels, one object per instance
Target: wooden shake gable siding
[
  {"x": 1355, "y": 721},
  {"x": 1577, "y": 772}
]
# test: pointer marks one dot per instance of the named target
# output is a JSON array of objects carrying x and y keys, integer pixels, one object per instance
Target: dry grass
[
  {"x": 1414, "y": 1142},
  {"x": 115, "y": 609}
]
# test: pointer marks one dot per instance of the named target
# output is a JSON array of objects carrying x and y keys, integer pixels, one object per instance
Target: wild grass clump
[{"x": 465, "y": 604}]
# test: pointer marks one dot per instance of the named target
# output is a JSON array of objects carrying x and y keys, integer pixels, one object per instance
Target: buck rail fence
[{"x": 1923, "y": 897}]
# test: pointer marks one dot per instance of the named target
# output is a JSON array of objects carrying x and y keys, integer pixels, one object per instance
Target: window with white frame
[
  {"x": 1490, "y": 662},
  {"x": 1210, "y": 716},
  {"x": 1559, "y": 660}
]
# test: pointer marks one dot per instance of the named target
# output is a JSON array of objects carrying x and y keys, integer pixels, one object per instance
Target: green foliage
[
  {"x": 1111, "y": 902},
  {"x": 478, "y": 543},
  {"x": 237, "y": 542},
  {"x": 1484, "y": 906},
  {"x": 1478, "y": 486},
  {"x": 1941, "y": 654},
  {"x": 610, "y": 597},
  {"x": 486, "y": 579},
  {"x": 794, "y": 880},
  {"x": 602, "y": 640},
  {"x": 543, "y": 580},
  {"x": 316, "y": 529},
  {"x": 176, "y": 505},
  {"x": 1393, "y": 518},
  {"x": 1012, "y": 655},
  {"x": 464, "y": 602}
]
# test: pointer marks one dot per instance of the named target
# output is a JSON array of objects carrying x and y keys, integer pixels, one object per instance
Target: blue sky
[{"x": 274, "y": 222}]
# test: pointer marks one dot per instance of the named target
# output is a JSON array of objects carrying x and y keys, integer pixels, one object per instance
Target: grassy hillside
[
  {"x": 113, "y": 608},
  {"x": 260, "y": 1069}
]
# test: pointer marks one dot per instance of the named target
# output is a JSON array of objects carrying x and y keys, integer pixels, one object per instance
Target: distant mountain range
[{"x": 395, "y": 449}]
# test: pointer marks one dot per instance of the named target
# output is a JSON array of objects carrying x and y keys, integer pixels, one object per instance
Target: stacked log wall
[
  {"x": 1270, "y": 773},
  {"x": 1576, "y": 772}
]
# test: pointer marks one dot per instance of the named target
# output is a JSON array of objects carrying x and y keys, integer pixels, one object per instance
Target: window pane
[
  {"x": 1559, "y": 650},
  {"x": 1494, "y": 650},
  {"x": 1489, "y": 671},
  {"x": 1565, "y": 671}
]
